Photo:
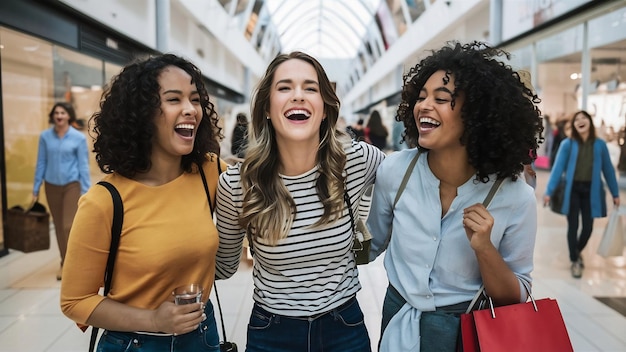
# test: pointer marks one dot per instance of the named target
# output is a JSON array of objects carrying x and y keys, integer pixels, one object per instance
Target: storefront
[{"x": 577, "y": 60}]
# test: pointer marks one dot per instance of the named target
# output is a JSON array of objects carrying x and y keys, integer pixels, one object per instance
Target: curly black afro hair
[
  {"x": 502, "y": 123},
  {"x": 124, "y": 126}
]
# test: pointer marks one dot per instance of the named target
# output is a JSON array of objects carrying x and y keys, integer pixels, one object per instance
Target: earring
[{"x": 267, "y": 117}]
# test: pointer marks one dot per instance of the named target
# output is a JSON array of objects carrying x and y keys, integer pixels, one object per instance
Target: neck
[
  {"x": 451, "y": 168},
  {"x": 297, "y": 159},
  {"x": 584, "y": 136},
  {"x": 61, "y": 130},
  {"x": 161, "y": 172}
]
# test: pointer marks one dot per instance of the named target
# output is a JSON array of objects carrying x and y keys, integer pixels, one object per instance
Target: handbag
[
  {"x": 612, "y": 242},
  {"x": 532, "y": 326},
  {"x": 556, "y": 200},
  {"x": 362, "y": 238},
  {"x": 28, "y": 230}
]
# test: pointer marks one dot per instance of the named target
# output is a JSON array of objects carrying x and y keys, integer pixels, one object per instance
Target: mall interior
[{"x": 68, "y": 50}]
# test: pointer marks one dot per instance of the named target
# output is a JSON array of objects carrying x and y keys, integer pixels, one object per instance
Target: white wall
[{"x": 135, "y": 19}]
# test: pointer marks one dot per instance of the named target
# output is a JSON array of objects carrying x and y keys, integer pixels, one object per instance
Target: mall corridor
[{"x": 31, "y": 321}]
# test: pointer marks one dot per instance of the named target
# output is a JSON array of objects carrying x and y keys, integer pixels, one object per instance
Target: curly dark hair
[
  {"x": 124, "y": 126},
  {"x": 502, "y": 123}
]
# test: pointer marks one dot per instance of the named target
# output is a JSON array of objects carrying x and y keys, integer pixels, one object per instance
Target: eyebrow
[
  {"x": 177, "y": 91},
  {"x": 439, "y": 89},
  {"x": 288, "y": 80}
]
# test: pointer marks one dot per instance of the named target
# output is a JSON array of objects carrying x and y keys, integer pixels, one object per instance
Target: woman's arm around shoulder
[
  {"x": 388, "y": 178},
  {"x": 229, "y": 201}
]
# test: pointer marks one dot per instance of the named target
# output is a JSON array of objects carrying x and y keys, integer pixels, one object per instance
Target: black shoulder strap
[
  {"x": 211, "y": 207},
  {"x": 206, "y": 185},
  {"x": 116, "y": 231}
]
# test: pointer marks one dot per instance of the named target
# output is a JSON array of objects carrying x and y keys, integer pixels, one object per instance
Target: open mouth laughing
[
  {"x": 297, "y": 115},
  {"x": 185, "y": 129}
]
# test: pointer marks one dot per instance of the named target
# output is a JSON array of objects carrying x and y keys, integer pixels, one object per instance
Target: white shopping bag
[{"x": 612, "y": 243}]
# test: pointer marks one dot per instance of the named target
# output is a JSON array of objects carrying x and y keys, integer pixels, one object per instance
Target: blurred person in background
[
  {"x": 63, "y": 168},
  {"x": 375, "y": 132},
  {"x": 239, "y": 139},
  {"x": 582, "y": 159}
]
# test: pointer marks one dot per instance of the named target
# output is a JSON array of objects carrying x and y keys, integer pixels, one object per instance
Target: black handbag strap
[
  {"x": 212, "y": 206},
  {"x": 116, "y": 231}
]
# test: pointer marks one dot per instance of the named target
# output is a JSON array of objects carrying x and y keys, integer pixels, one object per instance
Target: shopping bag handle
[{"x": 532, "y": 299}]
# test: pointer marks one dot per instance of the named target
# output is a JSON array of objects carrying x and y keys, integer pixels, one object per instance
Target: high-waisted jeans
[
  {"x": 204, "y": 338},
  {"x": 340, "y": 330}
]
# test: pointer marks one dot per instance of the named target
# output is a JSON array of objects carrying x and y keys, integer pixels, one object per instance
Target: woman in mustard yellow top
[{"x": 156, "y": 124}]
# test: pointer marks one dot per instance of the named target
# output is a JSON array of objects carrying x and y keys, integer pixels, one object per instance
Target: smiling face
[
  {"x": 179, "y": 116},
  {"x": 582, "y": 124},
  {"x": 296, "y": 106},
  {"x": 60, "y": 117},
  {"x": 439, "y": 124}
]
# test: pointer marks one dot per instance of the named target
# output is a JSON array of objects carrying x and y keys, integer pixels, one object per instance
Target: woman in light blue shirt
[
  {"x": 473, "y": 121},
  {"x": 63, "y": 166}
]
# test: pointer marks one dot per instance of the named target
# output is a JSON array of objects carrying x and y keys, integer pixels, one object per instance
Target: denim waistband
[
  {"x": 452, "y": 308},
  {"x": 311, "y": 317}
]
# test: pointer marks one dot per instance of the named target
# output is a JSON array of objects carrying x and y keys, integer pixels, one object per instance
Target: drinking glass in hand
[{"x": 188, "y": 294}]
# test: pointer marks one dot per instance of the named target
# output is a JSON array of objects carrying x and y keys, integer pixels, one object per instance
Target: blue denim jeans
[
  {"x": 339, "y": 330},
  {"x": 439, "y": 330},
  {"x": 204, "y": 338}
]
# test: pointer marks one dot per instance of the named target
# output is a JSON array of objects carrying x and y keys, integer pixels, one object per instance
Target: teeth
[
  {"x": 429, "y": 120},
  {"x": 297, "y": 112},
  {"x": 185, "y": 126}
]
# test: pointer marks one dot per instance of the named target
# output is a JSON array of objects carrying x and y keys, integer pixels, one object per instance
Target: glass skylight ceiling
[{"x": 322, "y": 28}]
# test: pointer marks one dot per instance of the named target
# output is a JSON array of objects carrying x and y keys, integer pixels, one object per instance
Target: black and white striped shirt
[{"x": 312, "y": 270}]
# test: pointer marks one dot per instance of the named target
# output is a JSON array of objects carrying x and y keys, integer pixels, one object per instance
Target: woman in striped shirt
[{"x": 288, "y": 198}]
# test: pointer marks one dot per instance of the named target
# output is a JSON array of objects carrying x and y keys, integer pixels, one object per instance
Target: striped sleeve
[{"x": 229, "y": 195}]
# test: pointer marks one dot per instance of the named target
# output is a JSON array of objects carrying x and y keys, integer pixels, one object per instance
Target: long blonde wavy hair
[{"x": 268, "y": 208}]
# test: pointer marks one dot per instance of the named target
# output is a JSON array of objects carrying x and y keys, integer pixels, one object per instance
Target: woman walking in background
[
  {"x": 63, "y": 168},
  {"x": 375, "y": 132},
  {"x": 583, "y": 159}
]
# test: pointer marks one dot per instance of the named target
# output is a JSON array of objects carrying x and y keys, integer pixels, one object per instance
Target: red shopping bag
[{"x": 531, "y": 326}]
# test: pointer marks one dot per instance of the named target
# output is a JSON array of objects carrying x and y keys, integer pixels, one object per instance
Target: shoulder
[
  {"x": 362, "y": 150},
  {"x": 400, "y": 159},
  {"x": 76, "y": 133},
  {"x": 518, "y": 192},
  {"x": 232, "y": 175},
  {"x": 99, "y": 197}
]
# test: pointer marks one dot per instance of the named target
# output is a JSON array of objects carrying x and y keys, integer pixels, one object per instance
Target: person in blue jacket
[{"x": 582, "y": 158}]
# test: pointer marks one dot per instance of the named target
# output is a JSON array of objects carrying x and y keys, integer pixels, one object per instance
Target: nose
[
  {"x": 189, "y": 109},
  {"x": 297, "y": 95},
  {"x": 424, "y": 105}
]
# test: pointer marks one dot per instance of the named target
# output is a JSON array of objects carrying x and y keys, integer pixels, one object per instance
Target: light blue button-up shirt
[
  {"x": 62, "y": 160},
  {"x": 429, "y": 259}
]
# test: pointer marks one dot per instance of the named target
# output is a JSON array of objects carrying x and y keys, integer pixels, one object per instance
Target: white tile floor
[{"x": 31, "y": 321}]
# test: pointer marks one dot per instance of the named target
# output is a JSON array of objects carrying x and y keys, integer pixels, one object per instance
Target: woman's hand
[
  {"x": 616, "y": 202},
  {"x": 178, "y": 319},
  {"x": 478, "y": 222},
  {"x": 546, "y": 201}
]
